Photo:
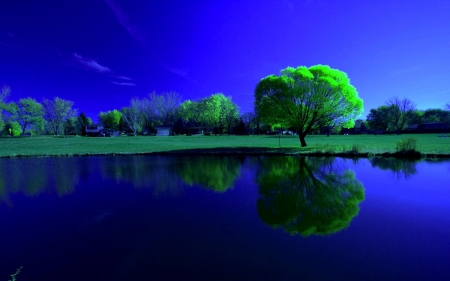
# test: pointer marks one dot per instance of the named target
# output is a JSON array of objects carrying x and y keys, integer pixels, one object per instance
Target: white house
[
  {"x": 94, "y": 129},
  {"x": 163, "y": 130}
]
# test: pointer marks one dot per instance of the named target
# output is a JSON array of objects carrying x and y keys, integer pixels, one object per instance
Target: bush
[
  {"x": 407, "y": 145},
  {"x": 353, "y": 149}
]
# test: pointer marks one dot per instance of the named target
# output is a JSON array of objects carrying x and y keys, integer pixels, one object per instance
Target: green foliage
[
  {"x": 12, "y": 128},
  {"x": 2, "y": 123},
  {"x": 307, "y": 196},
  {"x": 110, "y": 119},
  {"x": 436, "y": 115},
  {"x": 81, "y": 123},
  {"x": 307, "y": 99},
  {"x": 27, "y": 112},
  {"x": 379, "y": 118},
  {"x": 407, "y": 145}
]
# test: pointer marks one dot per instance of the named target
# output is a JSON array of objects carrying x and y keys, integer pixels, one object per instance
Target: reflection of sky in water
[{"x": 108, "y": 224}]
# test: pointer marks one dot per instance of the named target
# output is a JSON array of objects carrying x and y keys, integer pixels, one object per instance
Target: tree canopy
[
  {"x": 27, "y": 112},
  {"x": 307, "y": 99}
]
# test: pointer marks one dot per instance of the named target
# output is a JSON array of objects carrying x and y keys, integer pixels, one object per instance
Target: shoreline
[{"x": 244, "y": 151}]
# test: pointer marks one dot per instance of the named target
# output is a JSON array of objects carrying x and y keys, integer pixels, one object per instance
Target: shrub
[
  {"x": 407, "y": 145},
  {"x": 353, "y": 149}
]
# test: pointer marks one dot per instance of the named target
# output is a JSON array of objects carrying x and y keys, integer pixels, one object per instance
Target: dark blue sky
[{"x": 101, "y": 53}]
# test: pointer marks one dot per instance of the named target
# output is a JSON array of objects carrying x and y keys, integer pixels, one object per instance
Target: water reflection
[
  {"x": 307, "y": 196},
  {"x": 400, "y": 167},
  {"x": 155, "y": 173},
  {"x": 32, "y": 177},
  {"x": 216, "y": 173}
]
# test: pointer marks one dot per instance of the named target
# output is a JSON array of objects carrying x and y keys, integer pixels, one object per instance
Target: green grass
[{"x": 57, "y": 146}]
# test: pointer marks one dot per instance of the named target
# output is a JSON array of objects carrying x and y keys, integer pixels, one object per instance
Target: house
[
  {"x": 434, "y": 127},
  {"x": 163, "y": 130},
  {"x": 94, "y": 129}
]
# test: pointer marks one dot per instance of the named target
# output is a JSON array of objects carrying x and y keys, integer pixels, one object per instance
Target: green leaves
[
  {"x": 307, "y": 99},
  {"x": 110, "y": 119}
]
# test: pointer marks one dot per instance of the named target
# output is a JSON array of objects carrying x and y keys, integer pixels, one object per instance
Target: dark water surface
[{"x": 224, "y": 218}]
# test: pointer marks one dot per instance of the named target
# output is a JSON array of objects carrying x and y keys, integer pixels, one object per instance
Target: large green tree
[
  {"x": 307, "y": 196},
  {"x": 27, "y": 112},
  {"x": 307, "y": 99}
]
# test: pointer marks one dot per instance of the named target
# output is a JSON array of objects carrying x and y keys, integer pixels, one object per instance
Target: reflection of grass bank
[{"x": 360, "y": 146}]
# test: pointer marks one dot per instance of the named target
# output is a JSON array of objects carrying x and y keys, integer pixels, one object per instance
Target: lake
[{"x": 224, "y": 218}]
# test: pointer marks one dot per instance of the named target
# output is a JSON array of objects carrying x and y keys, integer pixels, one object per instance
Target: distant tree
[
  {"x": 240, "y": 127},
  {"x": 400, "y": 111},
  {"x": 167, "y": 105},
  {"x": 27, "y": 112},
  {"x": 57, "y": 112},
  {"x": 190, "y": 113},
  {"x": 110, "y": 119},
  {"x": 359, "y": 126},
  {"x": 82, "y": 122},
  {"x": 70, "y": 126},
  {"x": 416, "y": 117},
  {"x": 250, "y": 121},
  {"x": 307, "y": 99},
  {"x": 447, "y": 107},
  {"x": 379, "y": 118},
  {"x": 230, "y": 113},
  {"x": 435, "y": 115},
  {"x": 132, "y": 116},
  {"x": 4, "y": 93}
]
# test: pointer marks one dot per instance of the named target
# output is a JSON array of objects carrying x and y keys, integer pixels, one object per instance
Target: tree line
[
  {"x": 304, "y": 100},
  {"x": 216, "y": 113}
]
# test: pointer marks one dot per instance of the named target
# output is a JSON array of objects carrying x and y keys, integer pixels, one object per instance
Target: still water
[{"x": 224, "y": 218}]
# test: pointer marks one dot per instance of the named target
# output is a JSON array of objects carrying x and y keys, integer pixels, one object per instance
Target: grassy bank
[{"x": 430, "y": 144}]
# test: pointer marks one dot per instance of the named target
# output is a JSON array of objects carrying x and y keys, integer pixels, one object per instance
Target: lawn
[{"x": 73, "y": 145}]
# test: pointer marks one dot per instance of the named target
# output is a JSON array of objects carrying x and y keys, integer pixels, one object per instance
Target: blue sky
[{"x": 101, "y": 53}]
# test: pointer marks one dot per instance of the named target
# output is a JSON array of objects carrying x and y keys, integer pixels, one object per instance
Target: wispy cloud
[
  {"x": 125, "y": 21},
  {"x": 91, "y": 64},
  {"x": 183, "y": 72},
  {"x": 124, "y": 78},
  {"x": 124, "y": 83},
  {"x": 406, "y": 70}
]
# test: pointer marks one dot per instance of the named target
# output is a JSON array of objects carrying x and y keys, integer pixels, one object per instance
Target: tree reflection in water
[
  {"x": 405, "y": 167},
  {"x": 34, "y": 176},
  {"x": 307, "y": 196},
  {"x": 210, "y": 172}
]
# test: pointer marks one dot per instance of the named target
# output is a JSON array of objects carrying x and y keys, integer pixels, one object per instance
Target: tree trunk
[{"x": 302, "y": 139}]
